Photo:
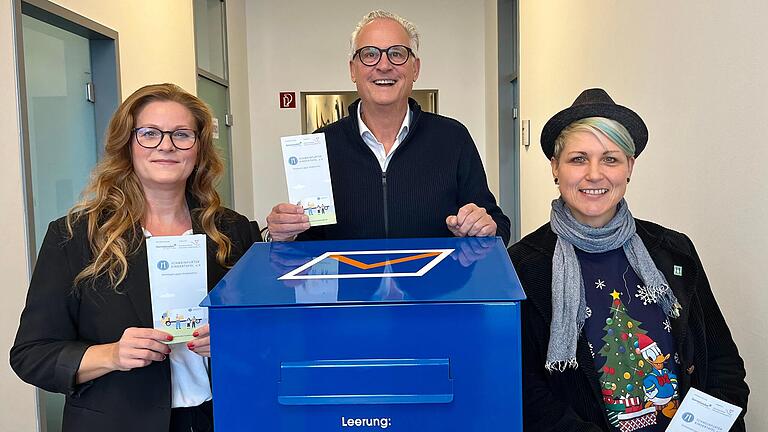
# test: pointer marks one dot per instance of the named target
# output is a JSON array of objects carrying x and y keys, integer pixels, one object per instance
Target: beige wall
[
  {"x": 171, "y": 43},
  {"x": 239, "y": 105},
  {"x": 695, "y": 71},
  {"x": 156, "y": 39},
  {"x": 302, "y": 46},
  {"x": 491, "y": 35},
  {"x": 17, "y": 407}
]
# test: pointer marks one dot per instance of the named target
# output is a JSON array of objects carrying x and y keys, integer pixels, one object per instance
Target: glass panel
[
  {"x": 215, "y": 95},
  {"x": 62, "y": 142},
  {"x": 61, "y": 121},
  {"x": 209, "y": 36}
]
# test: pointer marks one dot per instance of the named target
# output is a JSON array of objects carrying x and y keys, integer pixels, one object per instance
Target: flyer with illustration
[
  {"x": 178, "y": 282},
  {"x": 308, "y": 176}
]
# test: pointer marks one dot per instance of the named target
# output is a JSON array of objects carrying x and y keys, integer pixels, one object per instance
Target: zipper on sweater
[{"x": 386, "y": 211}]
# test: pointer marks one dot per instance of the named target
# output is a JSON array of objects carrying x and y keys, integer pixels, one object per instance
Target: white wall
[
  {"x": 696, "y": 72},
  {"x": 302, "y": 46}
]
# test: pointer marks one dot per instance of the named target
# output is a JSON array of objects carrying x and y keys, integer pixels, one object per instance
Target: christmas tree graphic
[{"x": 624, "y": 370}]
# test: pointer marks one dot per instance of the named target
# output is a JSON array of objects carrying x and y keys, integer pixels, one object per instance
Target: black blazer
[
  {"x": 571, "y": 400},
  {"x": 58, "y": 324}
]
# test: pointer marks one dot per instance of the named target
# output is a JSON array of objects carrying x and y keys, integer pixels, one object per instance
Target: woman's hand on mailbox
[{"x": 201, "y": 344}]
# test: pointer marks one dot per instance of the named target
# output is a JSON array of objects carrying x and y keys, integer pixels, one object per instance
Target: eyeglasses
[
  {"x": 371, "y": 55},
  {"x": 149, "y": 137}
]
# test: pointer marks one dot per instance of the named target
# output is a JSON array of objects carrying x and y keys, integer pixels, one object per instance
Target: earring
[
  {"x": 627, "y": 179},
  {"x": 557, "y": 181}
]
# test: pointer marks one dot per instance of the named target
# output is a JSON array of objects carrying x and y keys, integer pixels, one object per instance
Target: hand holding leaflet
[
  {"x": 309, "y": 177},
  {"x": 178, "y": 283}
]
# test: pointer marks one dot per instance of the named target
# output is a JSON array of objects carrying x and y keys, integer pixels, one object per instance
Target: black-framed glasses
[
  {"x": 371, "y": 55},
  {"x": 149, "y": 137}
]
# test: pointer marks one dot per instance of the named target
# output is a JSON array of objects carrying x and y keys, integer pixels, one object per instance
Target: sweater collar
[{"x": 414, "y": 107}]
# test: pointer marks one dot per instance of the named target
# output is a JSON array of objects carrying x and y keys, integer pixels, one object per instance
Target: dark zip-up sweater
[{"x": 434, "y": 172}]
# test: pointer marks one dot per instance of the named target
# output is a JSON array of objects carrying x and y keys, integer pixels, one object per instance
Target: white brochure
[
  {"x": 702, "y": 412},
  {"x": 309, "y": 179},
  {"x": 178, "y": 281}
]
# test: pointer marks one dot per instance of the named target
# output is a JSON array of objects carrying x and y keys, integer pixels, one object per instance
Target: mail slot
[
  {"x": 404, "y": 335},
  {"x": 365, "y": 381}
]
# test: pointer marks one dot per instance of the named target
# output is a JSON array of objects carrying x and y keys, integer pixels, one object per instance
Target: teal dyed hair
[{"x": 600, "y": 127}]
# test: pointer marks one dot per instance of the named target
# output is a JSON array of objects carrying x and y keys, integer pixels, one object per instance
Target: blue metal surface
[
  {"x": 439, "y": 352},
  {"x": 479, "y": 269}
]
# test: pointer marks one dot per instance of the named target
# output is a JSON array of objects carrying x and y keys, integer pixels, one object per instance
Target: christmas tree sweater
[{"x": 631, "y": 343}]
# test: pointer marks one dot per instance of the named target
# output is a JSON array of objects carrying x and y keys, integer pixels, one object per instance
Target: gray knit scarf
[{"x": 568, "y": 304}]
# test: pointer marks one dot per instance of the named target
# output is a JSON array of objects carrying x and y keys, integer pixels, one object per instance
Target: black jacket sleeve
[
  {"x": 255, "y": 232},
  {"x": 473, "y": 187},
  {"x": 47, "y": 350},
  {"x": 725, "y": 374}
]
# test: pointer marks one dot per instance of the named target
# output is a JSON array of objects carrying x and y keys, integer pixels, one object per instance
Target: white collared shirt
[{"x": 374, "y": 144}]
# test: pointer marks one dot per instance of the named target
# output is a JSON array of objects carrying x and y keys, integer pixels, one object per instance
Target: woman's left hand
[{"x": 201, "y": 344}]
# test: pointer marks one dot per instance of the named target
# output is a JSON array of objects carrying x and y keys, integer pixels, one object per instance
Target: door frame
[
  {"x": 105, "y": 74},
  {"x": 105, "y": 69},
  {"x": 224, "y": 82},
  {"x": 509, "y": 112}
]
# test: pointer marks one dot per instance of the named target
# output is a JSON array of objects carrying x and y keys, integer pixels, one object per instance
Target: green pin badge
[{"x": 678, "y": 270}]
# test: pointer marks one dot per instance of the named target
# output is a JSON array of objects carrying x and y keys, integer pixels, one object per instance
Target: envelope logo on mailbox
[{"x": 368, "y": 264}]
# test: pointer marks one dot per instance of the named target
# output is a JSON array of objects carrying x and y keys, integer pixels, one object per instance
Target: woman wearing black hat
[{"x": 620, "y": 320}]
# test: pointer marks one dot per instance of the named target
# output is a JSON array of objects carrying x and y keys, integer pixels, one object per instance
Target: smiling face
[
  {"x": 164, "y": 167},
  {"x": 384, "y": 85},
  {"x": 592, "y": 174}
]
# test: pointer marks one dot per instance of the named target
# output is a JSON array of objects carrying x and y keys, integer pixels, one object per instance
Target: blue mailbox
[{"x": 366, "y": 335}]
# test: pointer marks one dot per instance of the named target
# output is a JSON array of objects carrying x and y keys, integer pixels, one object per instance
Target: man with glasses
[{"x": 396, "y": 171}]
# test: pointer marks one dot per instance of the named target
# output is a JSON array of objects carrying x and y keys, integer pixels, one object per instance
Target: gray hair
[
  {"x": 599, "y": 127},
  {"x": 409, "y": 27}
]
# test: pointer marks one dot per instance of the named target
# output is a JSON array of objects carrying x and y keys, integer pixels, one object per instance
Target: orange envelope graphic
[{"x": 369, "y": 264}]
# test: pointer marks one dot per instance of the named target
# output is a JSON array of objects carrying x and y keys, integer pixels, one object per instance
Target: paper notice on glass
[
  {"x": 702, "y": 412},
  {"x": 308, "y": 177},
  {"x": 178, "y": 282}
]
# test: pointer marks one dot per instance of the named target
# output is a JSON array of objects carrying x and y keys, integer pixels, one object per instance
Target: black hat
[{"x": 594, "y": 103}]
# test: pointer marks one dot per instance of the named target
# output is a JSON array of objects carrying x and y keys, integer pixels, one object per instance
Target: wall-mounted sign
[{"x": 287, "y": 99}]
